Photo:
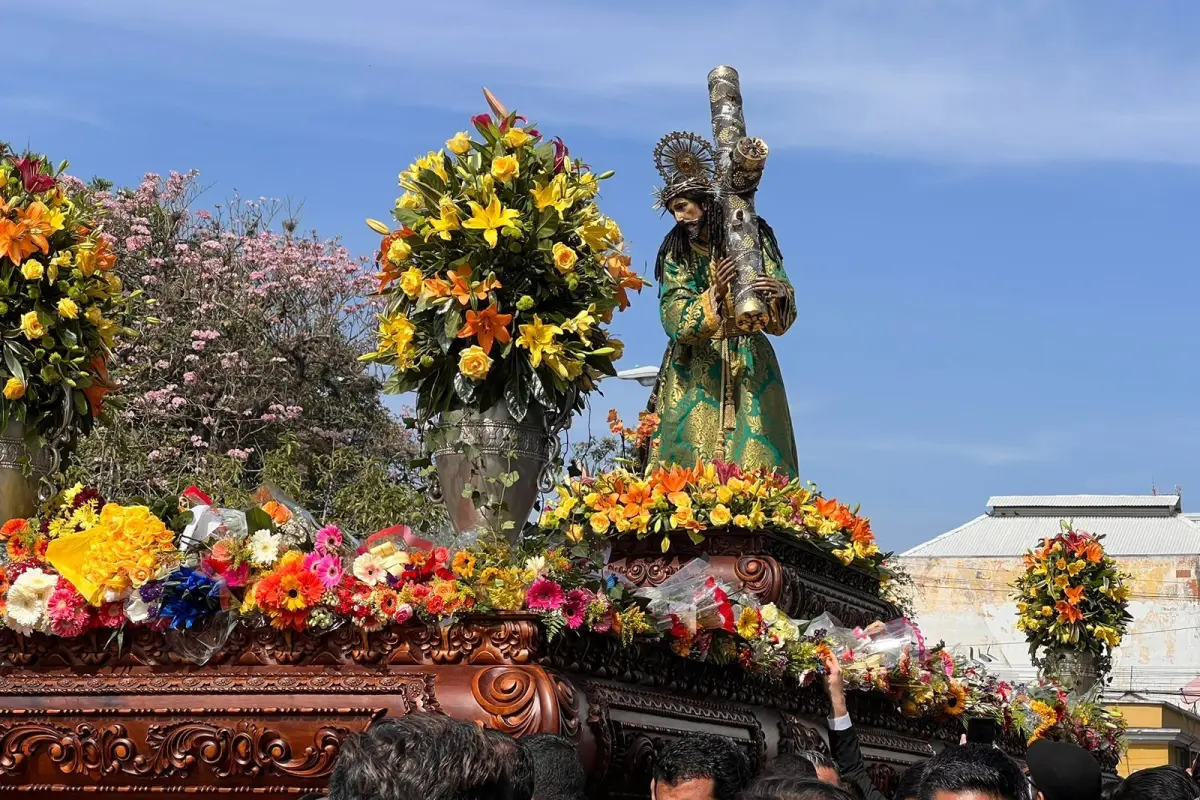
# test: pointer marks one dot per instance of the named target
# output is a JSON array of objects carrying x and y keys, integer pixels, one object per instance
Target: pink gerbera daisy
[
  {"x": 544, "y": 595},
  {"x": 68, "y": 611},
  {"x": 329, "y": 539},
  {"x": 329, "y": 570},
  {"x": 112, "y": 615},
  {"x": 575, "y": 607}
]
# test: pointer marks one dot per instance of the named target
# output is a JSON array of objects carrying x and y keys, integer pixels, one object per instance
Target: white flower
[
  {"x": 28, "y": 599},
  {"x": 136, "y": 609},
  {"x": 536, "y": 564},
  {"x": 770, "y": 613},
  {"x": 264, "y": 547},
  {"x": 369, "y": 569}
]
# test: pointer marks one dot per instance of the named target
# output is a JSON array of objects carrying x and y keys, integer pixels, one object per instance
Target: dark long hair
[{"x": 677, "y": 245}]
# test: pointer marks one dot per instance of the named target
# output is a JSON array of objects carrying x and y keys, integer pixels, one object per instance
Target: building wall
[
  {"x": 967, "y": 603},
  {"x": 1158, "y": 750}
]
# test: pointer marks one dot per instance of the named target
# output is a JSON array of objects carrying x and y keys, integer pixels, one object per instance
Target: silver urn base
[
  {"x": 22, "y": 473},
  {"x": 492, "y": 468},
  {"x": 1074, "y": 670}
]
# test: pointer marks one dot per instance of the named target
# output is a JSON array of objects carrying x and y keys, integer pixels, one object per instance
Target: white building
[{"x": 963, "y": 581}]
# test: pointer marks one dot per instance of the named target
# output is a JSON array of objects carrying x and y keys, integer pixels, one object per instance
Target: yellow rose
[
  {"x": 720, "y": 516},
  {"x": 409, "y": 200},
  {"x": 474, "y": 363},
  {"x": 67, "y": 308},
  {"x": 505, "y": 168},
  {"x": 724, "y": 493},
  {"x": 575, "y": 533},
  {"x": 31, "y": 326},
  {"x": 564, "y": 257},
  {"x": 741, "y": 521},
  {"x": 516, "y": 137},
  {"x": 1047, "y": 611},
  {"x": 14, "y": 389},
  {"x": 399, "y": 251},
  {"x": 33, "y": 270},
  {"x": 94, "y": 315},
  {"x": 411, "y": 282},
  {"x": 460, "y": 144},
  {"x": 599, "y": 522}
]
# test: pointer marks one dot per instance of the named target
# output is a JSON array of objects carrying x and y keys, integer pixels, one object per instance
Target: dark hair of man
[
  {"x": 557, "y": 772},
  {"x": 791, "y": 765},
  {"x": 699, "y": 756},
  {"x": 1159, "y": 783},
  {"x": 678, "y": 243},
  {"x": 909, "y": 787},
  {"x": 978, "y": 768},
  {"x": 429, "y": 757},
  {"x": 789, "y": 788}
]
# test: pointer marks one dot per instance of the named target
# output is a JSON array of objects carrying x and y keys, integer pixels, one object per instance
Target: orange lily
[
  {"x": 37, "y": 226},
  {"x": 1067, "y": 612},
  {"x": 435, "y": 288},
  {"x": 860, "y": 531},
  {"x": 487, "y": 325},
  {"x": 618, "y": 268},
  {"x": 638, "y": 497},
  {"x": 12, "y": 241},
  {"x": 1074, "y": 594},
  {"x": 1094, "y": 552},
  {"x": 827, "y": 508},
  {"x": 100, "y": 385},
  {"x": 461, "y": 285}
]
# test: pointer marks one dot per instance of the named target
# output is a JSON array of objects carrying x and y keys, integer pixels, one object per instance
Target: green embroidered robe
[{"x": 691, "y": 384}]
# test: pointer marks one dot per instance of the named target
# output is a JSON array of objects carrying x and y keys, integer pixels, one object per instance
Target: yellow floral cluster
[
  {"x": 502, "y": 269},
  {"x": 706, "y": 497},
  {"x": 67, "y": 296},
  {"x": 126, "y": 548},
  {"x": 1072, "y": 595}
]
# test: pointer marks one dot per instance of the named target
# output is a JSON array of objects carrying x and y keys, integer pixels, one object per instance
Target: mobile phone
[{"x": 981, "y": 730}]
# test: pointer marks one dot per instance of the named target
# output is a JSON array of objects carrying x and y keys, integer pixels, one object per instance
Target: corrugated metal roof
[
  {"x": 994, "y": 536},
  {"x": 1084, "y": 501}
]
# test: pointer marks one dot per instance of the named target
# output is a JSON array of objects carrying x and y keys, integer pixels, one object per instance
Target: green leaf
[
  {"x": 13, "y": 363},
  {"x": 514, "y": 396},
  {"x": 547, "y": 223},
  {"x": 464, "y": 387},
  {"x": 407, "y": 217},
  {"x": 538, "y": 390},
  {"x": 453, "y": 323},
  {"x": 258, "y": 520}
]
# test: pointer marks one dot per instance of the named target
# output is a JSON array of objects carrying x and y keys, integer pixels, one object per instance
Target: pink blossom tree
[{"x": 249, "y": 370}]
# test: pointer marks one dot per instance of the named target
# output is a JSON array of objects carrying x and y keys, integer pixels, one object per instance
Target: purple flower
[{"x": 560, "y": 153}]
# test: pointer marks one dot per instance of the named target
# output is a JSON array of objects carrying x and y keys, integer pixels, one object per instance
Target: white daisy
[
  {"x": 28, "y": 598},
  {"x": 264, "y": 547}
]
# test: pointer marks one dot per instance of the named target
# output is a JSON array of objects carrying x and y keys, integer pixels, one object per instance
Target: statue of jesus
[{"x": 720, "y": 393}]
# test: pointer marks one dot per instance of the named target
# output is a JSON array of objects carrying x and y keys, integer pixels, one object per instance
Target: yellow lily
[
  {"x": 446, "y": 222},
  {"x": 582, "y": 323},
  {"x": 538, "y": 339},
  {"x": 552, "y": 194},
  {"x": 491, "y": 219}
]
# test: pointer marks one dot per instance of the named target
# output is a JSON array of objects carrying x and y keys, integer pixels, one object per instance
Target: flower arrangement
[
  {"x": 1072, "y": 596},
  {"x": 710, "y": 496},
  {"x": 88, "y": 565},
  {"x": 501, "y": 275},
  {"x": 60, "y": 300}
]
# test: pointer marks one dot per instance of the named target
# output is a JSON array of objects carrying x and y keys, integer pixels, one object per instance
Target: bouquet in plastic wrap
[{"x": 688, "y": 604}]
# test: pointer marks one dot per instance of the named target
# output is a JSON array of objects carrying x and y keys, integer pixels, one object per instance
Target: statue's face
[{"x": 686, "y": 211}]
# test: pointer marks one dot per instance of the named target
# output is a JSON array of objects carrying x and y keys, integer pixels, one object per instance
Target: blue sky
[{"x": 988, "y": 209}]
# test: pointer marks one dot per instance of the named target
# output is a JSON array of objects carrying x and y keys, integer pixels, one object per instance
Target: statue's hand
[
  {"x": 770, "y": 287},
  {"x": 726, "y": 269}
]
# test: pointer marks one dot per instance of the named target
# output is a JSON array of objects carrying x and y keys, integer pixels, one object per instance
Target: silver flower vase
[
  {"x": 25, "y": 472},
  {"x": 492, "y": 468},
  {"x": 1074, "y": 670}
]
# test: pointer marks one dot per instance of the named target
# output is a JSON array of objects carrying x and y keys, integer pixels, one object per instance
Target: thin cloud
[
  {"x": 963, "y": 82},
  {"x": 1037, "y": 450}
]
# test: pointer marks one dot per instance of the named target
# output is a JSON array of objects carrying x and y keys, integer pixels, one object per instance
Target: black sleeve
[{"x": 848, "y": 756}]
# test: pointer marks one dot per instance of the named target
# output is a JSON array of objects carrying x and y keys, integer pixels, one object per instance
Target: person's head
[
  {"x": 1159, "y": 783},
  {"x": 790, "y": 765},
  {"x": 782, "y": 787},
  {"x": 688, "y": 208},
  {"x": 700, "y": 767},
  {"x": 823, "y": 766},
  {"x": 909, "y": 787},
  {"x": 973, "y": 772},
  {"x": 557, "y": 772},
  {"x": 1063, "y": 771},
  {"x": 431, "y": 757}
]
